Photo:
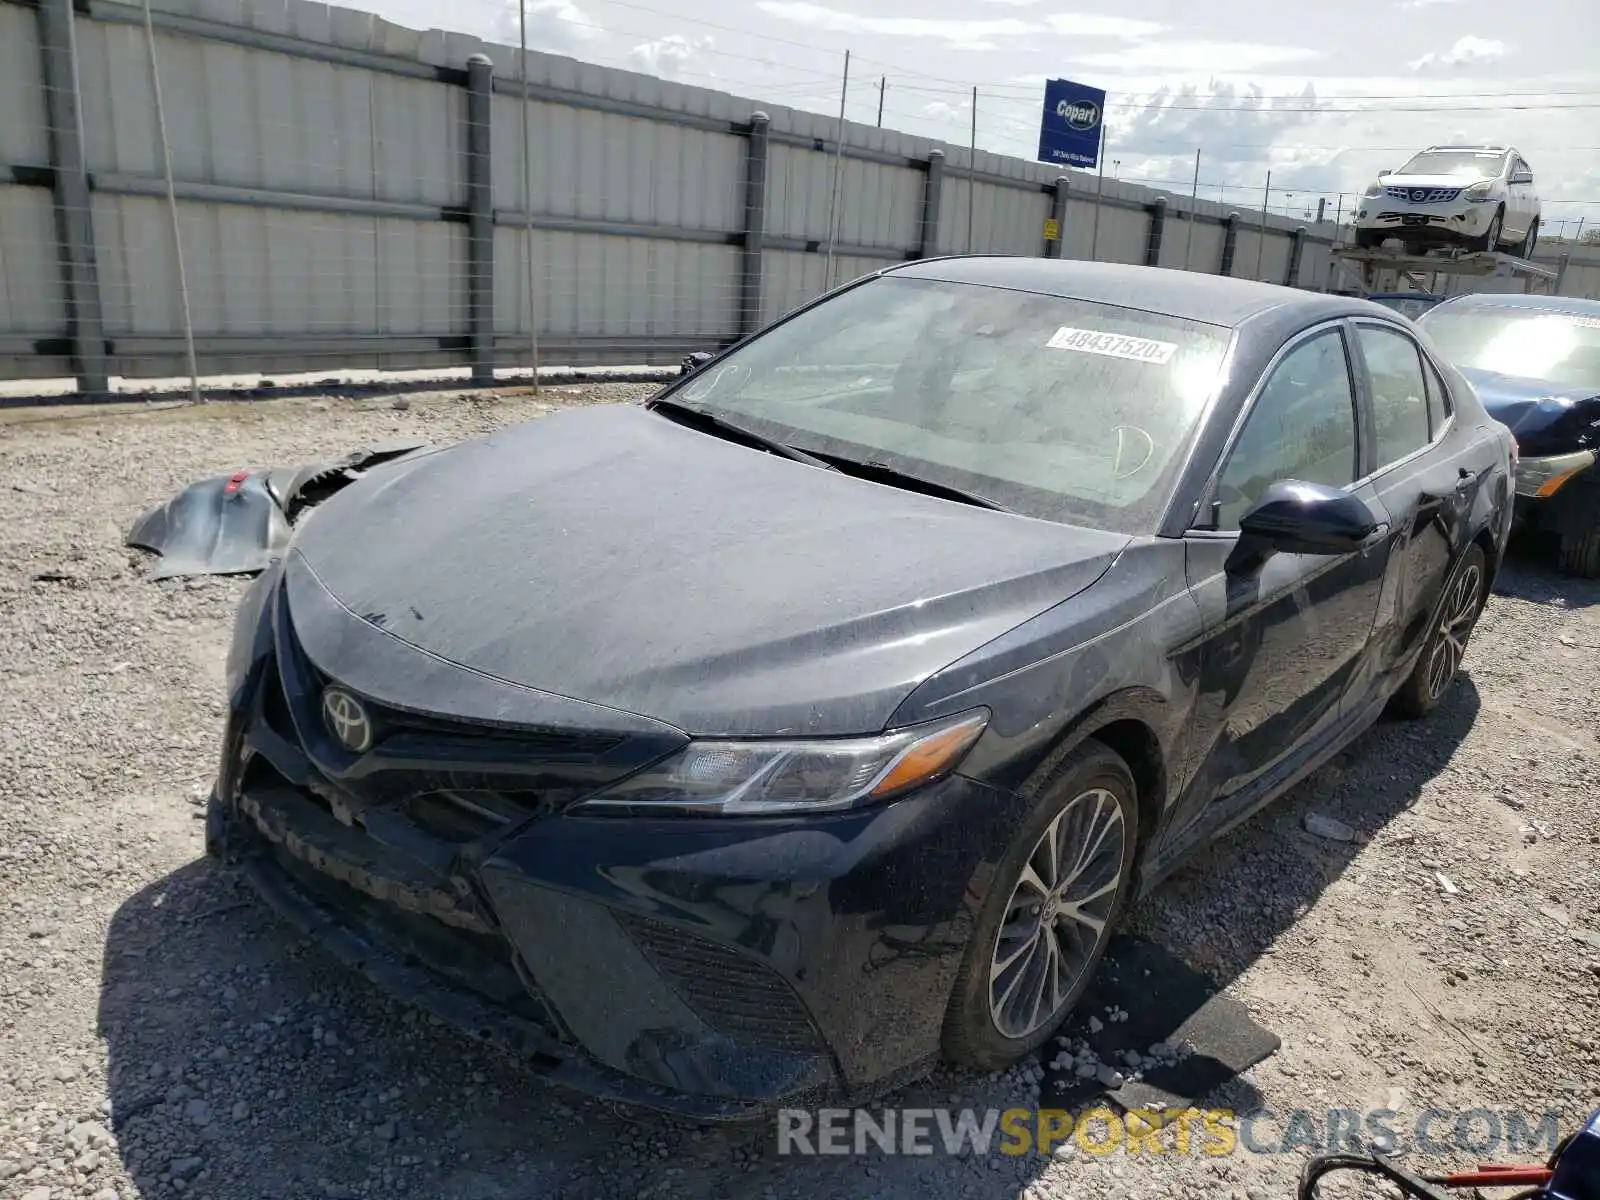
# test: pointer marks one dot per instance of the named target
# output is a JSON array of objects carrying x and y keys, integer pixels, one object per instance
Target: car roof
[
  {"x": 1570, "y": 304},
  {"x": 1190, "y": 295}
]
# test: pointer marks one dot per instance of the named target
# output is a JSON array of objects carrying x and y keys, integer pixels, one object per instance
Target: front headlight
[
  {"x": 766, "y": 778},
  {"x": 1480, "y": 191},
  {"x": 1373, "y": 192}
]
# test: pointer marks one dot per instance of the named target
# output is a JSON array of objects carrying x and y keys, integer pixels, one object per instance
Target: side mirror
[
  {"x": 1384, "y": 173},
  {"x": 693, "y": 362},
  {"x": 1295, "y": 517}
]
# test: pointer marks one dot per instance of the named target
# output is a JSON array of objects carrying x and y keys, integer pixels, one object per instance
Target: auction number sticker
[{"x": 1112, "y": 345}]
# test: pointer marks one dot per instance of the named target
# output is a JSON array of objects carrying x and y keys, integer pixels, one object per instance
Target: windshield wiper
[
  {"x": 882, "y": 472},
  {"x": 712, "y": 423}
]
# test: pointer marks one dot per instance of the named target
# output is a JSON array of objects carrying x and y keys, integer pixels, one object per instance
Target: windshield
[
  {"x": 1479, "y": 164},
  {"x": 1056, "y": 408},
  {"x": 1561, "y": 349}
]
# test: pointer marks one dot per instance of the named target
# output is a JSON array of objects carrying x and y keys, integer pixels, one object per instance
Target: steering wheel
[{"x": 1128, "y": 437}]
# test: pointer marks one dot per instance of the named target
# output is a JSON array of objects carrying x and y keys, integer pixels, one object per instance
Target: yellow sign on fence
[{"x": 1052, "y": 229}]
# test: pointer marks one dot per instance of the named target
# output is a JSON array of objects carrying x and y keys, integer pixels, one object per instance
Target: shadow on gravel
[
  {"x": 242, "y": 1063},
  {"x": 245, "y": 1065},
  {"x": 1530, "y": 574},
  {"x": 1228, "y": 907}
]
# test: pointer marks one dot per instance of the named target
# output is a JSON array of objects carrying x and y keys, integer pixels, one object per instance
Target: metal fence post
[
  {"x": 1056, "y": 247},
  {"x": 1158, "y": 227},
  {"x": 70, "y": 177},
  {"x": 1230, "y": 243},
  {"x": 1297, "y": 245},
  {"x": 932, "y": 192},
  {"x": 755, "y": 224},
  {"x": 480, "y": 218}
]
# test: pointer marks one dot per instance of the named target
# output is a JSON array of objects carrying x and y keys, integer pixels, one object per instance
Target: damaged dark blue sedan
[
  {"x": 774, "y": 740},
  {"x": 1534, "y": 362}
]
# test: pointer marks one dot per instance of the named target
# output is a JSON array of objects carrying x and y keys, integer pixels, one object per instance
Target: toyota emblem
[{"x": 347, "y": 720}]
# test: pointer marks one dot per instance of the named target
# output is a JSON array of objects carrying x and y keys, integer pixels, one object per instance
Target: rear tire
[
  {"x": 1465, "y": 589},
  {"x": 1369, "y": 239},
  {"x": 1580, "y": 553},
  {"x": 1050, "y": 912}
]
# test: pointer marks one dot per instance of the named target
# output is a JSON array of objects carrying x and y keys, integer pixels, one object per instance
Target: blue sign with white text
[{"x": 1069, "y": 130}]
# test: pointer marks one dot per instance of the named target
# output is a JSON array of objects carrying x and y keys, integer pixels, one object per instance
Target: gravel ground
[{"x": 165, "y": 1036}]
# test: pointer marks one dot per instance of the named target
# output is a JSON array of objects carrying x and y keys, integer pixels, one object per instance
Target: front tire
[
  {"x": 1491, "y": 239},
  {"x": 1049, "y": 913},
  {"x": 1580, "y": 552},
  {"x": 1531, "y": 240},
  {"x": 1464, "y": 593}
]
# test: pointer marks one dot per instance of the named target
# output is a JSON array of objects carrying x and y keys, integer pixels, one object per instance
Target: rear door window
[{"x": 1399, "y": 395}]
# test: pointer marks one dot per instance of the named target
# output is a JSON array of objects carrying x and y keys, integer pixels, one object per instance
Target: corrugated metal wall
[{"x": 321, "y": 159}]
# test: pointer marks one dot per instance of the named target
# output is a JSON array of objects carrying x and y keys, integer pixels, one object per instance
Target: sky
[{"x": 1321, "y": 95}]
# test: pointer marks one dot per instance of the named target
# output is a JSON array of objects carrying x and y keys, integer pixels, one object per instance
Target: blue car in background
[
  {"x": 1407, "y": 304},
  {"x": 1535, "y": 363}
]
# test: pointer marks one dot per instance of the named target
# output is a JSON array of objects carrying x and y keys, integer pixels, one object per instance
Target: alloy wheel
[
  {"x": 1057, "y": 914},
  {"x": 1459, "y": 611}
]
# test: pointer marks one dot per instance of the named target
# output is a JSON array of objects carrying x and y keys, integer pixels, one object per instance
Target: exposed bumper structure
[{"x": 714, "y": 967}]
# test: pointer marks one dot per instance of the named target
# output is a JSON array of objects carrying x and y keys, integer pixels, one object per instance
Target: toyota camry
[{"x": 813, "y": 722}]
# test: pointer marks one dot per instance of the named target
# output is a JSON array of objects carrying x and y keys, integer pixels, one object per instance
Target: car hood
[
  {"x": 610, "y": 556},
  {"x": 1431, "y": 181},
  {"x": 1544, "y": 418}
]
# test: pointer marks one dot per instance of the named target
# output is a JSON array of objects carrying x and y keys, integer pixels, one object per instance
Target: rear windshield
[
  {"x": 1477, "y": 163},
  {"x": 1561, "y": 349},
  {"x": 1056, "y": 408}
]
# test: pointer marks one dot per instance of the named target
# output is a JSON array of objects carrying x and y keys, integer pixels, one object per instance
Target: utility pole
[
  {"x": 1261, "y": 238},
  {"x": 838, "y": 170},
  {"x": 972, "y": 168},
  {"x": 883, "y": 86},
  {"x": 1194, "y": 200}
]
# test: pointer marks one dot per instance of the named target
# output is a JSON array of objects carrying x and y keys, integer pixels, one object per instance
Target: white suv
[{"x": 1478, "y": 196}]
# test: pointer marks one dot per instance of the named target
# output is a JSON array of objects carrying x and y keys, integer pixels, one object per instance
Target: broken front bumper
[{"x": 716, "y": 968}]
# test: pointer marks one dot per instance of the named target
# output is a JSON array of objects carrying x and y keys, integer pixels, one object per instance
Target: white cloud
[
  {"x": 966, "y": 33},
  {"x": 1218, "y": 57},
  {"x": 554, "y": 26},
  {"x": 1468, "y": 51},
  {"x": 1091, "y": 25},
  {"x": 666, "y": 57},
  {"x": 943, "y": 110}
]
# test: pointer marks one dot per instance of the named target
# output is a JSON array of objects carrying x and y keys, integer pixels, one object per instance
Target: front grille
[
  {"x": 463, "y": 779},
  {"x": 734, "y": 994},
  {"x": 1399, "y": 218},
  {"x": 1423, "y": 195}
]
